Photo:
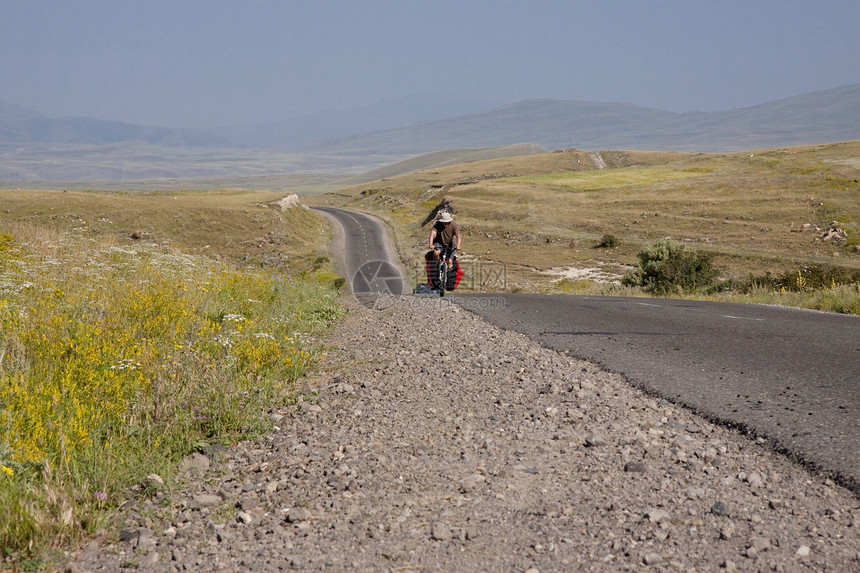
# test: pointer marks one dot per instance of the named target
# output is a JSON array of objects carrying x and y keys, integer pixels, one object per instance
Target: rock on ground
[{"x": 432, "y": 441}]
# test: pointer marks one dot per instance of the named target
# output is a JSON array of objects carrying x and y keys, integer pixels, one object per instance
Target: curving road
[
  {"x": 787, "y": 375},
  {"x": 368, "y": 261}
]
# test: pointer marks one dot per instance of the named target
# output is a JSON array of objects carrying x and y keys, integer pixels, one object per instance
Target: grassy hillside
[
  {"x": 545, "y": 215},
  {"x": 442, "y": 159},
  {"x": 134, "y": 330},
  {"x": 240, "y": 227}
]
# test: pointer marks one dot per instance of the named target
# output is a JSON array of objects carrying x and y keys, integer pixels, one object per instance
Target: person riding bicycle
[{"x": 445, "y": 235}]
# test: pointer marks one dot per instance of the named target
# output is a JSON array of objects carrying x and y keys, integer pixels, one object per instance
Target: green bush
[
  {"x": 671, "y": 267},
  {"x": 608, "y": 242}
]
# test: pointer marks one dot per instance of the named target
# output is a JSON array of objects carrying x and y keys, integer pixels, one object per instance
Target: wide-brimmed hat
[{"x": 445, "y": 217}]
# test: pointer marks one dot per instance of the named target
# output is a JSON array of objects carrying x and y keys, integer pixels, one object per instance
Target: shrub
[
  {"x": 671, "y": 267},
  {"x": 608, "y": 242}
]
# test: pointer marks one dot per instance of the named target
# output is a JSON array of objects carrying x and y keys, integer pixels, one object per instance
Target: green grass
[
  {"x": 120, "y": 356},
  {"x": 599, "y": 180}
]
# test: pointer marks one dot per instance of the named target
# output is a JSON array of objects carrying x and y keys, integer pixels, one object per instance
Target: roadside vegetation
[
  {"x": 121, "y": 352},
  {"x": 669, "y": 267},
  {"x": 572, "y": 221}
]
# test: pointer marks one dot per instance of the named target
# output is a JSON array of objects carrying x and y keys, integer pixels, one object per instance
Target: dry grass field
[
  {"x": 757, "y": 212},
  {"x": 241, "y": 227}
]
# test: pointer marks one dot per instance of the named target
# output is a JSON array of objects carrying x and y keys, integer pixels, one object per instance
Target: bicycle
[{"x": 446, "y": 261}]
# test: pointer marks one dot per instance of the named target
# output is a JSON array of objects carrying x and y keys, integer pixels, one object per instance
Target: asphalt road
[
  {"x": 787, "y": 375},
  {"x": 790, "y": 376},
  {"x": 368, "y": 258}
]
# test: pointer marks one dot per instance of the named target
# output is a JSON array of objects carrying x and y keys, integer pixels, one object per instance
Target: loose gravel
[{"x": 433, "y": 441}]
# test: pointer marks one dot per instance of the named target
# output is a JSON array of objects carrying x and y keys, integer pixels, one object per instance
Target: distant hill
[
  {"x": 38, "y": 148},
  {"x": 820, "y": 117},
  {"x": 19, "y": 125},
  {"x": 387, "y": 115},
  {"x": 393, "y": 128},
  {"x": 438, "y": 159}
]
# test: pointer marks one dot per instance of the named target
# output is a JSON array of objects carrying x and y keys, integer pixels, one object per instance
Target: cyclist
[{"x": 445, "y": 235}]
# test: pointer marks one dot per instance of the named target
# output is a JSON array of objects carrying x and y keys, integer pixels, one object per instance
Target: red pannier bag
[{"x": 455, "y": 273}]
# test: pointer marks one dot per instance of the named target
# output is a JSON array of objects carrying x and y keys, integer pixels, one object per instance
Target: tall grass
[
  {"x": 843, "y": 299},
  {"x": 115, "y": 361},
  {"x": 815, "y": 287}
]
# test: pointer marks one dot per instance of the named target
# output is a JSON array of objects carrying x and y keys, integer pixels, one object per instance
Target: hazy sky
[{"x": 200, "y": 63}]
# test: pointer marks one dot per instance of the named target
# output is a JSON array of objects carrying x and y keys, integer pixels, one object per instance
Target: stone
[
  {"x": 751, "y": 552},
  {"x": 802, "y": 551},
  {"x": 755, "y": 480},
  {"x": 441, "y": 532},
  {"x": 471, "y": 483},
  {"x": 594, "y": 441},
  {"x": 721, "y": 508},
  {"x": 206, "y": 500},
  {"x": 635, "y": 467},
  {"x": 658, "y": 515},
  {"x": 145, "y": 542},
  {"x": 652, "y": 558},
  {"x": 194, "y": 462},
  {"x": 298, "y": 514},
  {"x": 288, "y": 202},
  {"x": 760, "y": 544}
]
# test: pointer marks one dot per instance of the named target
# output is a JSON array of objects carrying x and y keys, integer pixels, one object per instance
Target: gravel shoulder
[{"x": 432, "y": 441}]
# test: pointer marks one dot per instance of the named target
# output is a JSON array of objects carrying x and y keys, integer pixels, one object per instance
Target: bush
[
  {"x": 608, "y": 242},
  {"x": 671, "y": 267}
]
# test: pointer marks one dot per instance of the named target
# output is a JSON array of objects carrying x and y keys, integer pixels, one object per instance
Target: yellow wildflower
[{"x": 8, "y": 471}]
